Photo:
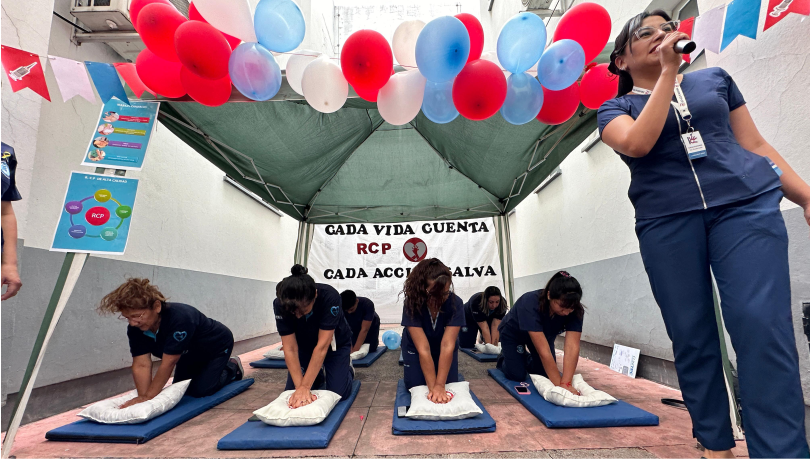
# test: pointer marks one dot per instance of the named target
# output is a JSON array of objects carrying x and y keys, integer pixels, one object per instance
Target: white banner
[{"x": 374, "y": 259}]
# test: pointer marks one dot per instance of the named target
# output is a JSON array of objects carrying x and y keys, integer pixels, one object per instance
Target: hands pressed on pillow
[
  {"x": 488, "y": 348},
  {"x": 589, "y": 397},
  {"x": 278, "y": 412},
  {"x": 110, "y": 412},
  {"x": 460, "y": 406}
]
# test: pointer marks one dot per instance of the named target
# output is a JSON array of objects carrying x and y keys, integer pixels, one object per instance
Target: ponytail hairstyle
[
  {"x": 417, "y": 295},
  {"x": 488, "y": 293},
  {"x": 624, "y": 41},
  {"x": 565, "y": 288},
  {"x": 296, "y": 291}
]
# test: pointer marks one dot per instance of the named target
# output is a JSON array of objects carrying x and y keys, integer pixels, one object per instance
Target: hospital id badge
[{"x": 693, "y": 143}]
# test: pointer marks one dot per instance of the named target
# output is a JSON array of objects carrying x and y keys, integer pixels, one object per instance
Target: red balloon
[
  {"x": 370, "y": 96},
  {"x": 212, "y": 93},
  {"x": 559, "y": 106},
  {"x": 136, "y": 6},
  {"x": 202, "y": 49},
  {"x": 157, "y": 24},
  {"x": 598, "y": 85},
  {"x": 587, "y": 24},
  {"x": 476, "y": 33},
  {"x": 479, "y": 90},
  {"x": 366, "y": 60},
  {"x": 195, "y": 15},
  {"x": 160, "y": 75}
]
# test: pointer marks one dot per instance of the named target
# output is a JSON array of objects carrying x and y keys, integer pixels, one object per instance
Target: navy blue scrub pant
[
  {"x": 335, "y": 375},
  {"x": 207, "y": 374},
  {"x": 468, "y": 334},
  {"x": 516, "y": 363},
  {"x": 746, "y": 246},
  {"x": 413, "y": 369}
]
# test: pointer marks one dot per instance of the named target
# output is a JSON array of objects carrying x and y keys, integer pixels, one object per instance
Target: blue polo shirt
[
  {"x": 662, "y": 182},
  {"x": 364, "y": 311},
  {"x": 525, "y": 316},
  {"x": 9, "y": 166},
  {"x": 183, "y": 330},
  {"x": 451, "y": 314},
  {"x": 473, "y": 310}
]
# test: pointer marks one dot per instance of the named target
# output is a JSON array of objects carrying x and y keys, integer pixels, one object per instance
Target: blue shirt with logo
[
  {"x": 364, "y": 311},
  {"x": 451, "y": 314},
  {"x": 183, "y": 330},
  {"x": 662, "y": 182},
  {"x": 525, "y": 316}
]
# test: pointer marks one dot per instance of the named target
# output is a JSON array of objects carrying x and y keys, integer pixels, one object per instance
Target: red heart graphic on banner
[{"x": 415, "y": 249}]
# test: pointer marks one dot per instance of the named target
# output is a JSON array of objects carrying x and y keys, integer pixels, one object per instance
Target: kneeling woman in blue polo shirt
[
  {"x": 432, "y": 317},
  {"x": 534, "y": 322},
  {"x": 483, "y": 312},
  {"x": 189, "y": 343},
  {"x": 316, "y": 338}
]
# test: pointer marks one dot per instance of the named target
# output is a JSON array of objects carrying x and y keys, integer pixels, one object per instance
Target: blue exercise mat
[
  {"x": 370, "y": 358},
  {"x": 189, "y": 407},
  {"x": 404, "y": 426},
  {"x": 619, "y": 414},
  {"x": 481, "y": 357},
  {"x": 269, "y": 363},
  {"x": 258, "y": 435}
]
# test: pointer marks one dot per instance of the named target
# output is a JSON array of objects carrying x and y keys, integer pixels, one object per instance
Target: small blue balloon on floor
[
  {"x": 279, "y": 25},
  {"x": 561, "y": 65},
  {"x": 437, "y": 104},
  {"x": 391, "y": 339}
]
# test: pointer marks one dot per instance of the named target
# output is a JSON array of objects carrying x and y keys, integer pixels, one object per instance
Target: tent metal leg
[
  {"x": 505, "y": 253},
  {"x": 68, "y": 276}
]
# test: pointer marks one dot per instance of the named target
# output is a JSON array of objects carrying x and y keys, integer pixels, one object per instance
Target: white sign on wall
[
  {"x": 373, "y": 259},
  {"x": 624, "y": 360}
]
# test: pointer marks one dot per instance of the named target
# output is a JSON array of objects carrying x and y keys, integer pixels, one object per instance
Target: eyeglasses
[
  {"x": 645, "y": 33},
  {"x": 134, "y": 317}
]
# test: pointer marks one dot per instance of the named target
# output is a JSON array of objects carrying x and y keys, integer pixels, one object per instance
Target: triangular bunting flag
[
  {"x": 778, "y": 9},
  {"x": 130, "y": 75},
  {"x": 742, "y": 17},
  {"x": 686, "y": 27},
  {"x": 708, "y": 30},
  {"x": 71, "y": 77},
  {"x": 107, "y": 82},
  {"x": 24, "y": 70}
]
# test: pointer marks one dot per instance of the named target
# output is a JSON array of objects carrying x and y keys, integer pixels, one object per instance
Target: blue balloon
[
  {"x": 254, "y": 71},
  {"x": 391, "y": 339},
  {"x": 561, "y": 65},
  {"x": 524, "y": 99},
  {"x": 279, "y": 25},
  {"x": 442, "y": 49},
  {"x": 437, "y": 104},
  {"x": 521, "y": 42}
]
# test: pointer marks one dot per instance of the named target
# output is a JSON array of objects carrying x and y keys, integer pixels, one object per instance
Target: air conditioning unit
[
  {"x": 103, "y": 15},
  {"x": 536, "y": 4}
]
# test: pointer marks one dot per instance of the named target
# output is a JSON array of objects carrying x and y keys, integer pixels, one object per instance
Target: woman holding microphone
[{"x": 706, "y": 188}]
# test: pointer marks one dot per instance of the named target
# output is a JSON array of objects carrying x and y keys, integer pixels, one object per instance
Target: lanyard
[{"x": 681, "y": 107}]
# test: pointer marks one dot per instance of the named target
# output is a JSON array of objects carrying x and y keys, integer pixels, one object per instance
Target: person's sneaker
[{"x": 240, "y": 369}]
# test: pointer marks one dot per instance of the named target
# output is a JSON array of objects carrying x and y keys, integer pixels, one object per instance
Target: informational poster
[
  {"x": 624, "y": 360},
  {"x": 96, "y": 214},
  {"x": 122, "y": 135},
  {"x": 373, "y": 259}
]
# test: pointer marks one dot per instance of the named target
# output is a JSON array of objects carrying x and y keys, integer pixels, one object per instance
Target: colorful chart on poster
[
  {"x": 122, "y": 135},
  {"x": 96, "y": 214}
]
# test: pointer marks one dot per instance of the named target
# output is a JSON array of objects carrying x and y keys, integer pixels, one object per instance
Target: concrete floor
[{"x": 366, "y": 430}]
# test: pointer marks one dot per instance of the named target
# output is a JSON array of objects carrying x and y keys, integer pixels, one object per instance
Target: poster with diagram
[{"x": 122, "y": 135}]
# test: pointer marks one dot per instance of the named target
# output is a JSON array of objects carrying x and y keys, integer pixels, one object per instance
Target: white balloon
[
  {"x": 325, "y": 88},
  {"x": 404, "y": 42},
  {"x": 296, "y": 64},
  {"x": 233, "y": 17},
  {"x": 400, "y": 99}
]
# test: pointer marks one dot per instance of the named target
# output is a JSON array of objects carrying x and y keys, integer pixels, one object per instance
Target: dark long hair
[
  {"x": 417, "y": 295},
  {"x": 348, "y": 298},
  {"x": 564, "y": 287},
  {"x": 296, "y": 291},
  {"x": 490, "y": 292},
  {"x": 624, "y": 40}
]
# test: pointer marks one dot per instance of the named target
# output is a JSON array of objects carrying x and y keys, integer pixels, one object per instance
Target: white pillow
[
  {"x": 278, "y": 413},
  {"x": 557, "y": 395},
  {"x": 108, "y": 411},
  {"x": 461, "y": 406},
  {"x": 274, "y": 354},
  {"x": 488, "y": 348},
  {"x": 361, "y": 353}
]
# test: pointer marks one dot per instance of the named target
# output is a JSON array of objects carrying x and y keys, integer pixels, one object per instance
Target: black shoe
[{"x": 240, "y": 371}]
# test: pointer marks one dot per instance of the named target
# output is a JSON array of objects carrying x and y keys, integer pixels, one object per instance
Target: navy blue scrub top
[
  {"x": 364, "y": 311},
  {"x": 474, "y": 306},
  {"x": 183, "y": 330},
  {"x": 525, "y": 317},
  {"x": 662, "y": 182},
  {"x": 326, "y": 314},
  {"x": 9, "y": 166},
  {"x": 451, "y": 314}
]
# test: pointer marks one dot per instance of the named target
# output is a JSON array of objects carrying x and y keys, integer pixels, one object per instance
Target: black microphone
[{"x": 685, "y": 46}]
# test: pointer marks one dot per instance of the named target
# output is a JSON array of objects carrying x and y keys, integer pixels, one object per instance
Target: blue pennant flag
[
  {"x": 742, "y": 18},
  {"x": 106, "y": 80}
]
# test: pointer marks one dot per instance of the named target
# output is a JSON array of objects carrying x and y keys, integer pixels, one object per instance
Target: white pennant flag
[
  {"x": 708, "y": 31},
  {"x": 71, "y": 76}
]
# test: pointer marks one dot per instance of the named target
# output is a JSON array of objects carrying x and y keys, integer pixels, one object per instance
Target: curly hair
[
  {"x": 296, "y": 290},
  {"x": 417, "y": 295},
  {"x": 134, "y": 294}
]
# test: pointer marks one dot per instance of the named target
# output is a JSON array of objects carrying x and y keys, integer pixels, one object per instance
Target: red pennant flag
[
  {"x": 130, "y": 75},
  {"x": 778, "y": 9},
  {"x": 686, "y": 27},
  {"x": 24, "y": 70}
]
